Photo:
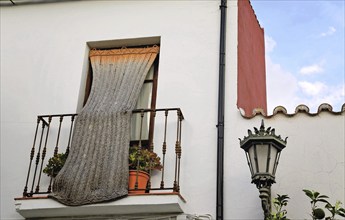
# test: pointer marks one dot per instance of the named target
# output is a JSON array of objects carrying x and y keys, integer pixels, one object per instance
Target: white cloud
[
  {"x": 284, "y": 88},
  {"x": 270, "y": 44},
  {"x": 334, "y": 95},
  {"x": 312, "y": 69},
  {"x": 312, "y": 89},
  {"x": 331, "y": 30}
]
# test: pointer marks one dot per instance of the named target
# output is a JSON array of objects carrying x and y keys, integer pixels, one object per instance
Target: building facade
[{"x": 45, "y": 70}]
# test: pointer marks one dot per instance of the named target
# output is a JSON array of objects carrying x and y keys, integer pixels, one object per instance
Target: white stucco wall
[
  {"x": 43, "y": 49},
  {"x": 313, "y": 159}
]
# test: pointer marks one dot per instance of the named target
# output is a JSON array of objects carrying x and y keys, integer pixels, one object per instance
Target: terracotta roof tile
[{"x": 300, "y": 109}]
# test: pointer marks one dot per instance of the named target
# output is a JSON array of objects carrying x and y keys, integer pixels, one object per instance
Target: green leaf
[
  {"x": 316, "y": 194},
  {"x": 309, "y": 193},
  {"x": 329, "y": 206},
  {"x": 341, "y": 212},
  {"x": 323, "y": 196},
  {"x": 322, "y": 200}
]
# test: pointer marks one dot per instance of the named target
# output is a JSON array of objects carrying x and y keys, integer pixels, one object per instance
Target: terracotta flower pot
[{"x": 143, "y": 178}]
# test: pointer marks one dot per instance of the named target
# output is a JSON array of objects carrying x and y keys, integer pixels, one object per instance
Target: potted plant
[
  {"x": 141, "y": 162},
  {"x": 55, "y": 164}
]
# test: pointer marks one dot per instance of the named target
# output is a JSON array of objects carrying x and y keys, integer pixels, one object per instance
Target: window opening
[{"x": 146, "y": 100}]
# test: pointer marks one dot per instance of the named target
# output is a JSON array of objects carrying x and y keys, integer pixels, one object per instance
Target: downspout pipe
[{"x": 221, "y": 107}]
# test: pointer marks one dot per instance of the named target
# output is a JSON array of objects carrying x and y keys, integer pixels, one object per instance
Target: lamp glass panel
[
  {"x": 252, "y": 160},
  {"x": 249, "y": 164},
  {"x": 262, "y": 154},
  {"x": 275, "y": 168},
  {"x": 274, "y": 153}
]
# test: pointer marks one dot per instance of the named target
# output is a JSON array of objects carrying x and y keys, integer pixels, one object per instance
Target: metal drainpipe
[{"x": 220, "y": 125}]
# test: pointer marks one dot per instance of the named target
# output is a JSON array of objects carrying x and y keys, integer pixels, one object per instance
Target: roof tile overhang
[{"x": 281, "y": 110}]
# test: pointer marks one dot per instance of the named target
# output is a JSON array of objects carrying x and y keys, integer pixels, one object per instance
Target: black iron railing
[{"x": 53, "y": 135}]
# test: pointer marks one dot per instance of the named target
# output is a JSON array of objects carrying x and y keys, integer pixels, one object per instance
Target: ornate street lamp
[{"x": 263, "y": 148}]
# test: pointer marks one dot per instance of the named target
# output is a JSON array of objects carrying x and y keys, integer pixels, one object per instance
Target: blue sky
[{"x": 304, "y": 52}]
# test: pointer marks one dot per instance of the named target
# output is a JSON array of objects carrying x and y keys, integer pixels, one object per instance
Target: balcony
[{"x": 157, "y": 130}]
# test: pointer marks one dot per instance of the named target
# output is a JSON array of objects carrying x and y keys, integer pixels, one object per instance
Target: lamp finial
[{"x": 262, "y": 127}]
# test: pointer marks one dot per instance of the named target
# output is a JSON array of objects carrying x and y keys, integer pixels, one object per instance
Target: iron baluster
[
  {"x": 70, "y": 134},
  {"x": 164, "y": 148},
  {"x": 32, "y": 153},
  {"x": 179, "y": 151},
  {"x": 151, "y": 147},
  {"x": 56, "y": 150},
  {"x": 37, "y": 158},
  {"x": 176, "y": 153},
  {"x": 139, "y": 148},
  {"x": 43, "y": 156}
]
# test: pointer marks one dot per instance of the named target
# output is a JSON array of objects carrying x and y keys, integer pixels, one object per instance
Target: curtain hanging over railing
[{"x": 97, "y": 166}]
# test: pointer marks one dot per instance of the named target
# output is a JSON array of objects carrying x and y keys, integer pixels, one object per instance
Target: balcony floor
[{"x": 143, "y": 204}]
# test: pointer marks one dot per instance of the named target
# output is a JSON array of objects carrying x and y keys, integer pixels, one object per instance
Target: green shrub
[
  {"x": 317, "y": 212},
  {"x": 279, "y": 202},
  {"x": 55, "y": 164},
  {"x": 143, "y": 159}
]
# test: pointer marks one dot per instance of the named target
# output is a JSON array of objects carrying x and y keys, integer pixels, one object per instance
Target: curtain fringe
[{"x": 124, "y": 50}]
